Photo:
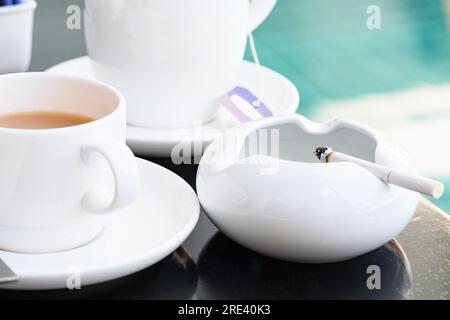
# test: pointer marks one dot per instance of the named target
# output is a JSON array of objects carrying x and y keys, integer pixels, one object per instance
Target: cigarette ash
[{"x": 322, "y": 153}]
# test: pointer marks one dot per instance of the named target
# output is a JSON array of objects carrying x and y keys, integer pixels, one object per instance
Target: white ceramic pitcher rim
[
  {"x": 120, "y": 105},
  {"x": 27, "y": 5}
]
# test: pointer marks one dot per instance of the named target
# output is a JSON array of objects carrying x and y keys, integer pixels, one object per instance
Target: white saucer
[
  {"x": 137, "y": 237},
  {"x": 277, "y": 92}
]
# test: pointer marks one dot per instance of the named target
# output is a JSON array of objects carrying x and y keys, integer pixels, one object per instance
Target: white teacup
[
  {"x": 172, "y": 59},
  {"x": 56, "y": 185}
]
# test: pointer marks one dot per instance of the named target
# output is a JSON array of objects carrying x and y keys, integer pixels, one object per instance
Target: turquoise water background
[{"x": 325, "y": 48}]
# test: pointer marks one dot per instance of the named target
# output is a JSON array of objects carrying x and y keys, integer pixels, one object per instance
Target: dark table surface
[
  {"x": 416, "y": 265},
  {"x": 210, "y": 266}
]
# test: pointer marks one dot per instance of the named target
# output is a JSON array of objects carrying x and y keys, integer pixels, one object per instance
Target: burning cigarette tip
[{"x": 322, "y": 153}]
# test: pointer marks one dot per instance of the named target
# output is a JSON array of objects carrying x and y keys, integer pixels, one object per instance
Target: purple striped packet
[{"x": 251, "y": 99}]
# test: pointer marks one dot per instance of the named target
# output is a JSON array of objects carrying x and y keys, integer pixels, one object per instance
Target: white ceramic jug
[
  {"x": 16, "y": 36},
  {"x": 172, "y": 59}
]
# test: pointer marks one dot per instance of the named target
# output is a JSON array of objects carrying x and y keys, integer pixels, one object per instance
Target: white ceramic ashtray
[
  {"x": 262, "y": 186},
  {"x": 16, "y": 36}
]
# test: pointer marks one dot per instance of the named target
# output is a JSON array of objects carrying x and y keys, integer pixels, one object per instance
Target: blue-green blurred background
[{"x": 326, "y": 49}]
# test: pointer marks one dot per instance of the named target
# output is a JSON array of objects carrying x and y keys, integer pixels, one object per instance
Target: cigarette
[{"x": 396, "y": 177}]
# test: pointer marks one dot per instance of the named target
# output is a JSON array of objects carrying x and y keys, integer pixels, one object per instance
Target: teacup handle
[
  {"x": 259, "y": 11},
  {"x": 126, "y": 177}
]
